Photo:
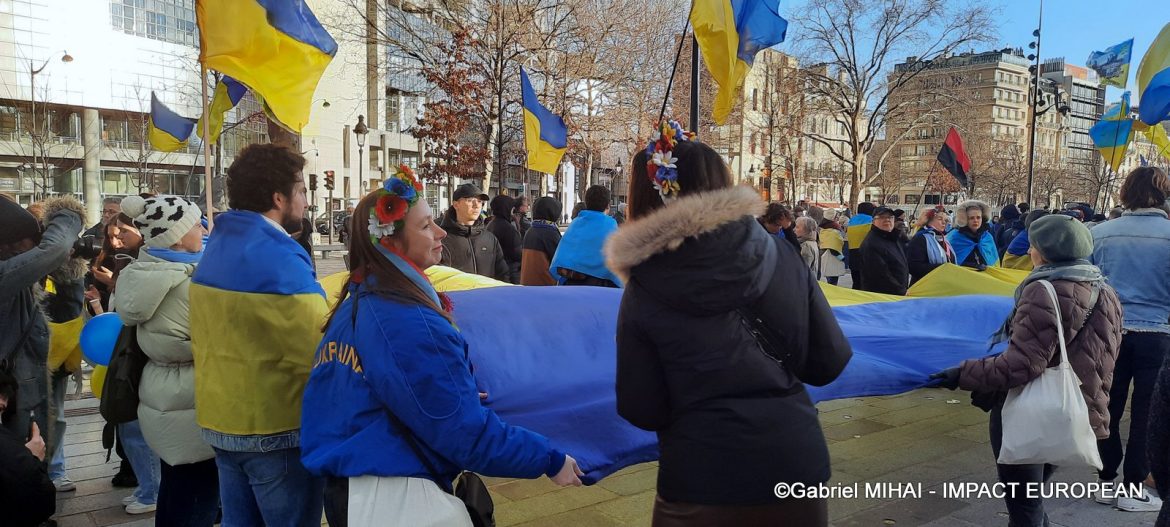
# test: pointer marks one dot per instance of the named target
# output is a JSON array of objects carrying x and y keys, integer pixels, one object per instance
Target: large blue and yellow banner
[
  {"x": 545, "y": 134},
  {"x": 563, "y": 375},
  {"x": 1111, "y": 135},
  {"x": 275, "y": 47},
  {"x": 729, "y": 34}
]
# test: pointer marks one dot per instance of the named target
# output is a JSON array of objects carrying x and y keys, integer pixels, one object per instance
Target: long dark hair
[
  {"x": 700, "y": 169},
  {"x": 365, "y": 261}
]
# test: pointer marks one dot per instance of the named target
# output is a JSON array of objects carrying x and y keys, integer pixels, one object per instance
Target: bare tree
[{"x": 858, "y": 40}]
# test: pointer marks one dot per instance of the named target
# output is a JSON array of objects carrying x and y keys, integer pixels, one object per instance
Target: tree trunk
[{"x": 489, "y": 166}]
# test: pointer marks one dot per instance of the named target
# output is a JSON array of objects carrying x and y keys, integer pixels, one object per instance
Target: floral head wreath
[
  {"x": 661, "y": 166},
  {"x": 398, "y": 194}
]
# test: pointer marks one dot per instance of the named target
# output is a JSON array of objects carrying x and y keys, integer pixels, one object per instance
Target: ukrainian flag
[
  {"x": 167, "y": 130},
  {"x": 228, "y": 93},
  {"x": 275, "y": 47},
  {"x": 1153, "y": 80},
  {"x": 545, "y": 135},
  {"x": 1111, "y": 134},
  {"x": 254, "y": 327},
  {"x": 897, "y": 343},
  {"x": 730, "y": 33}
]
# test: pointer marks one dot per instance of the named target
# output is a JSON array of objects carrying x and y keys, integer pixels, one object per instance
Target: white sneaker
[
  {"x": 128, "y": 500},
  {"x": 140, "y": 508},
  {"x": 1145, "y": 503},
  {"x": 1106, "y": 496},
  {"x": 64, "y": 484}
]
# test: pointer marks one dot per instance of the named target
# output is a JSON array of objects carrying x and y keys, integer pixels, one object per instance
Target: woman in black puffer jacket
[{"x": 732, "y": 421}]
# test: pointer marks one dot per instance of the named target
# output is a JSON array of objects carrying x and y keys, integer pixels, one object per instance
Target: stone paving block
[
  {"x": 850, "y": 413},
  {"x": 628, "y": 510},
  {"x": 908, "y": 400},
  {"x": 976, "y": 432},
  {"x": 905, "y": 512},
  {"x": 549, "y": 504},
  {"x": 581, "y": 517},
  {"x": 90, "y": 503},
  {"x": 631, "y": 483},
  {"x": 82, "y": 419},
  {"x": 117, "y": 516},
  {"x": 87, "y": 473},
  {"x": 95, "y": 426},
  {"x": 891, "y": 459},
  {"x": 76, "y": 520},
  {"x": 524, "y": 488},
  {"x": 850, "y": 429},
  {"x": 836, "y": 404},
  {"x": 915, "y": 413},
  {"x": 81, "y": 449},
  {"x": 73, "y": 437},
  {"x": 1088, "y": 513}
]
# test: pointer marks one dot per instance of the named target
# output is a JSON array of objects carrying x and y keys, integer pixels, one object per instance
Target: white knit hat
[{"x": 162, "y": 220}]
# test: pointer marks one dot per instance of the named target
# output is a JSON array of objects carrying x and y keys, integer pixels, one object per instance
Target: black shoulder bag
[
  {"x": 119, "y": 402},
  {"x": 469, "y": 488}
]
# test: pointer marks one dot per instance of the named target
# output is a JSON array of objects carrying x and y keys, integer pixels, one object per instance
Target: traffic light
[
  {"x": 328, "y": 180},
  {"x": 313, "y": 182}
]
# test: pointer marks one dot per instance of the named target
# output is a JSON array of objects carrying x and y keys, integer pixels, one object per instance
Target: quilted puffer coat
[
  {"x": 152, "y": 294},
  {"x": 1092, "y": 349}
]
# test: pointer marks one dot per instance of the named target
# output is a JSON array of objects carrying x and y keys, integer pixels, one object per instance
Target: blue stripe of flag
[
  {"x": 295, "y": 19},
  {"x": 552, "y": 127},
  {"x": 168, "y": 121}
]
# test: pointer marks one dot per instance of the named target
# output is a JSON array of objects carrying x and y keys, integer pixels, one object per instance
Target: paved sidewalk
[{"x": 926, "y": 436}]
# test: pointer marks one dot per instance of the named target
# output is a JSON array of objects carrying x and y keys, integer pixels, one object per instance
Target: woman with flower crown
[
  {"x": 391, "y": 408},
  {"x": 719, "y": 324}
]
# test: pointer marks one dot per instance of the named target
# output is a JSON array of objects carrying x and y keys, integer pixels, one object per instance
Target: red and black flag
[{"x": 954, "y": 158}]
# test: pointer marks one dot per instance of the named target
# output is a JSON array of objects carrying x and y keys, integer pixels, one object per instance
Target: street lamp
[
  {"x": 32, "y": 96},
  {"x": 617, "y": 171},
  {"x": 360, "y": 131}
]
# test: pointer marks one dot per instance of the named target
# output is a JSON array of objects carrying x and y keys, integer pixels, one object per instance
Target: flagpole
[
  {"x": 207, "y": 185},
  {"x": 674, "y": 68},
  {"x": 695, "y": 85},
  {"x": 914, "y": 214}
]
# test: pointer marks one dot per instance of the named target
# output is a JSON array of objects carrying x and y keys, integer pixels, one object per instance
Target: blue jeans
[
  {"x": 268, "y": 488},
  {"x": 60, "y": 384},
  {"x": 144, "y": 461}
]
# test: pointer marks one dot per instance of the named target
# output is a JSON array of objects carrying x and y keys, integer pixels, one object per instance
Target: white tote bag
[{"x": 1047, "y": 420}]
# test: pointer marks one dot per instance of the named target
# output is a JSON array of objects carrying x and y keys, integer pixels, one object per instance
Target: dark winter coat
[
  {"x": 883, "y": 263},
  {"x": 21, "y": 314},
  {"x": 27, "y": 495},
  {"x": 1033, "y": 347},
  {"x": 540, "y": 244},
  {"x": 472, "y": 249},
  {"x": 731, "y": 421},
  {"x": 510, "y": 243},
  {"x": 1158, "y": 449}
]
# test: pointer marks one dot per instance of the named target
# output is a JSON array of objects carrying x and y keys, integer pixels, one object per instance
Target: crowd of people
[{"x": 263, "y": 403}]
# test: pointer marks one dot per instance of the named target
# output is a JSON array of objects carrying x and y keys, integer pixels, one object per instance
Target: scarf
[
  {"x": 172, "y": 255},
  {"x": 938, "y": 251},
  {"x": 412, "y": 272},
  {"x": 964, "y": 245},
  {"x": 1073, "y": 271}
]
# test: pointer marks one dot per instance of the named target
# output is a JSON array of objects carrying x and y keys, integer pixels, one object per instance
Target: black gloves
[{"x": 948, "y": 378}]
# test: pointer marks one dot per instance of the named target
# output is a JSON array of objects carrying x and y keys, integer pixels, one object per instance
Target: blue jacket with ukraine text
[{"x": 408, "y": 360}]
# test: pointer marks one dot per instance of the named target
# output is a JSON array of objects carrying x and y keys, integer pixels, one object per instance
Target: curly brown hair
[
  {"x": 1145, "y": 187},
  {"x": 259, "y": 171}
]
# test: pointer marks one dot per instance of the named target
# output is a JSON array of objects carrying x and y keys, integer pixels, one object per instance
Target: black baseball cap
[{"x": 469, "y": 190}]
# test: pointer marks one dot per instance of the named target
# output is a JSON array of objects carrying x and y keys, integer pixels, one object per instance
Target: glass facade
[{"x": 167, "y": 20}]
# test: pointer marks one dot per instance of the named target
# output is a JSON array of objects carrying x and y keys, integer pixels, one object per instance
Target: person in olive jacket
[
  {"x": 1091, "y": 319},
  {"x": 469, "y": 246},
  {"x": 731, "y": 420},
  {"x": 884, "y": 268}
]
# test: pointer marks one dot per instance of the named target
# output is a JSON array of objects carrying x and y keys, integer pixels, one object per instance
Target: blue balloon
[{"x": 99, "y": 336}]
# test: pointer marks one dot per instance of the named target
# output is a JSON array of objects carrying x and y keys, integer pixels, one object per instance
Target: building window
[
  {"x": 167, "y": 20},
  {"x": 393, "y": 112}
]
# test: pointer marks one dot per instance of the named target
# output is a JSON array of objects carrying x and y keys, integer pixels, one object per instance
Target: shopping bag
[{"x": 1047, "y": 420}]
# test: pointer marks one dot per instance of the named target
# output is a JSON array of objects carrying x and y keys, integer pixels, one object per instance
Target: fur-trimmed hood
[
  {"x": 704, "y": 253},
  {"x": 73, "y": 269},
  {"x": 961, "y": 213},
  {"x": 667, "y": 228}
]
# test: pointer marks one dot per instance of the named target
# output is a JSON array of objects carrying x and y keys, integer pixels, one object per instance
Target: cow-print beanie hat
[{"x": 162, "y": 220}]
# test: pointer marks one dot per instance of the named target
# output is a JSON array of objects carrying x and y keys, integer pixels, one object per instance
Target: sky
[
  {"x": 1074, "y": 28},
  {"x": 1071, "y": 29}
]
